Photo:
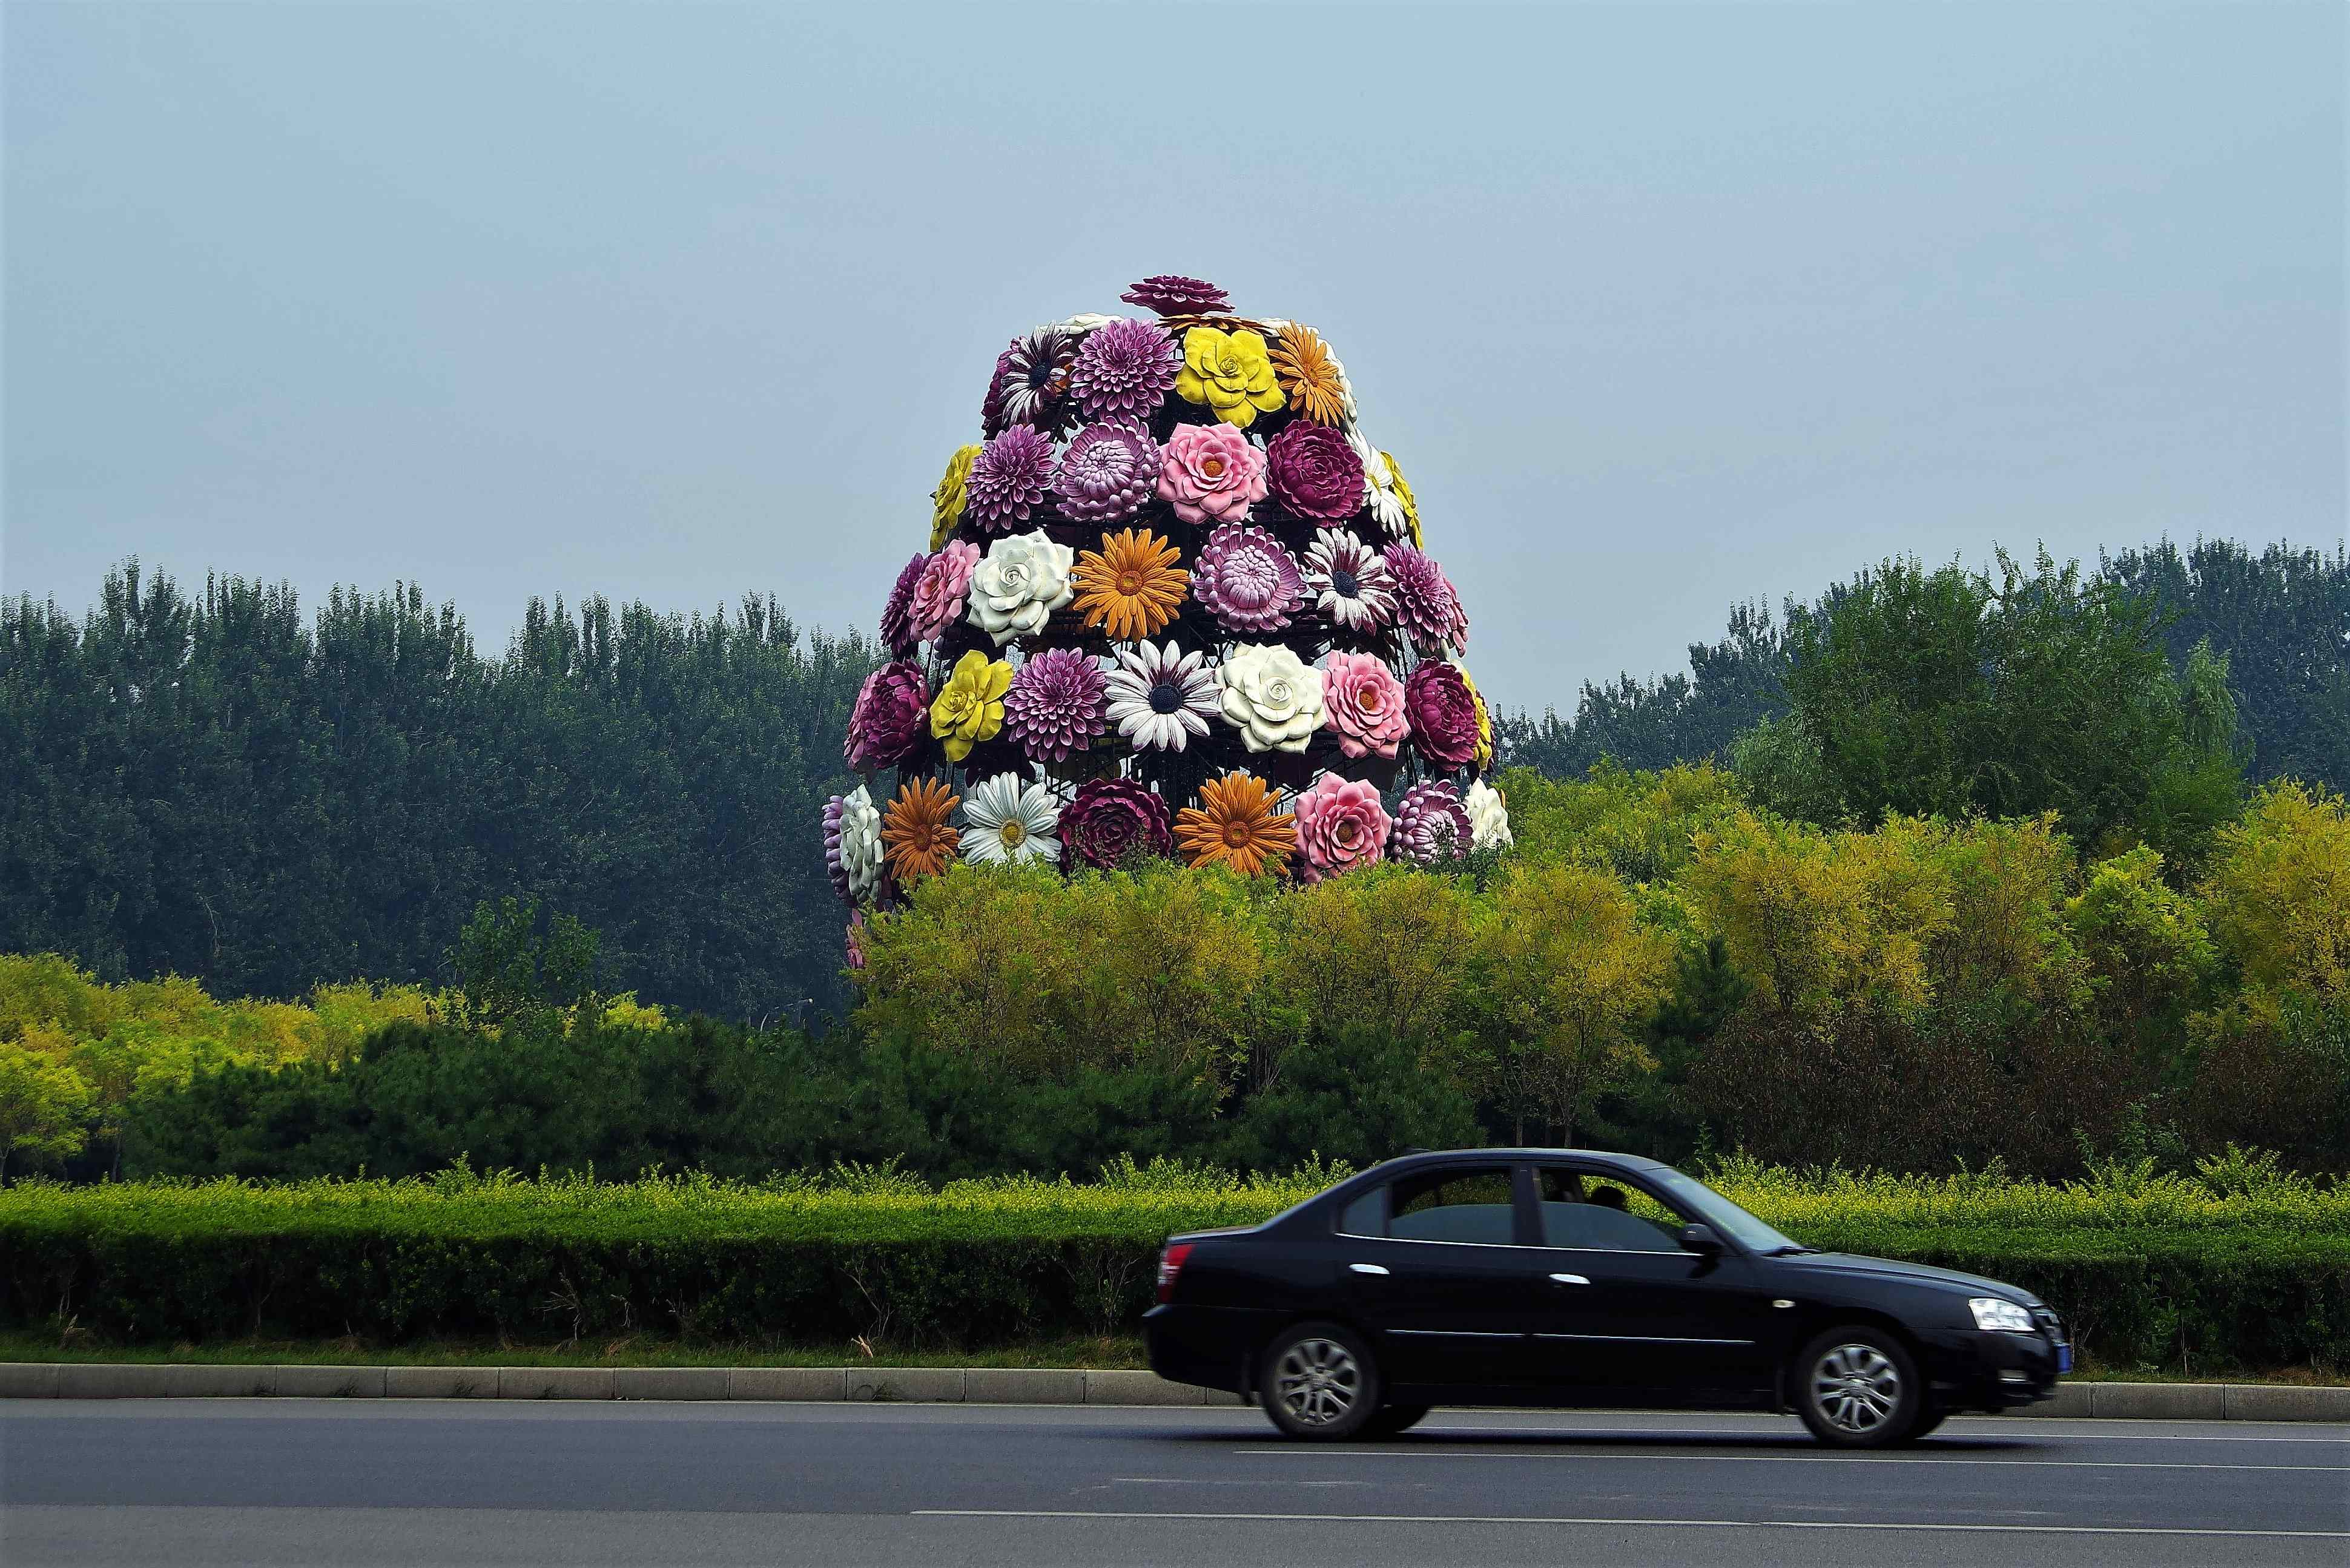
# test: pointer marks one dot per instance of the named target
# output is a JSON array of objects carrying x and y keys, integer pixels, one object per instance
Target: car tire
[
  {"x": 1394, "y": 1420},
  {"x": 1928, "y": 1419},
  {"x": 1858, "y": 1387},
  {"x": 1319, "y": 1383}
]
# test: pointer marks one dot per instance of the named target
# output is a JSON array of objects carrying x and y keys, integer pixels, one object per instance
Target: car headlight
[{"x": 2004, "y": 1316}]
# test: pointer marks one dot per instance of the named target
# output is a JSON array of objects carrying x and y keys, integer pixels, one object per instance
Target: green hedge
[{"x": 2233, "y": 1280}]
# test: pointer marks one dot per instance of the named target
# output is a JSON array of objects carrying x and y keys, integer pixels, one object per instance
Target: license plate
[{"x": 2063, "y": 1358}]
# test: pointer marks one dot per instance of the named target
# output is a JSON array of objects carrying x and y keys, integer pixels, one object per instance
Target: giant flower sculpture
[{"x": 1175, "y": 603}]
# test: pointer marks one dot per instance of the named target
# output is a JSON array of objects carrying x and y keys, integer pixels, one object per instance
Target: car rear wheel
[
  {"x": 1318, "y": 1382},
  {"x": 1927, "y": 1421},
  {"x": 1392, "y": 1420},
  {"x": 1856, "y": 1387}
]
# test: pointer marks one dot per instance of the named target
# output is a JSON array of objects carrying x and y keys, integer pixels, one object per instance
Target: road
[{"x": 347, "y": 1484}]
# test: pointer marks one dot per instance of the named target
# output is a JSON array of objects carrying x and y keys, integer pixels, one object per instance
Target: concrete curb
[{"x": 947, "y": 1386}]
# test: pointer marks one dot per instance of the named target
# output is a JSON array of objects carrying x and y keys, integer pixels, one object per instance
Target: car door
[
  {"x": 1628, "y": 1311},
  {"x": 1434, "y": 1269}
]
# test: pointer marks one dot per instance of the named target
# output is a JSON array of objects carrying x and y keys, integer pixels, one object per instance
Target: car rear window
[{"x": 1469, "y": 1203}]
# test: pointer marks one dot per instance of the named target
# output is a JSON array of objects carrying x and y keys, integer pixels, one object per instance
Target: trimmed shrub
[{"x": 2148, "y": 1270}]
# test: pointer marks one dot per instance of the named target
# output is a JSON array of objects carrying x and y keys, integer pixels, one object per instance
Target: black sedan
[{"x": 1559, "y": 1277}]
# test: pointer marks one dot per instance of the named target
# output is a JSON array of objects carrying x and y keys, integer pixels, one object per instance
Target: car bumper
[
  {"x": 1206, "y": 1346},
  {"x": 1975, "y": 1369}
]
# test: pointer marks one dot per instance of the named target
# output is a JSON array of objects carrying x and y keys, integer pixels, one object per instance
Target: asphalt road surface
[{"x": 202, "y": 1482}]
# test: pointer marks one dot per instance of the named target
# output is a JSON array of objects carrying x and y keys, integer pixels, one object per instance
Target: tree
[
  {"x": 2281, "y": 619},
  {"x": 44, "y": 1104},
  {"x": 1942, "y": 692},
  {"x": 1731, "y": 686},
  {"x": 1567, "y": 978},
  {"x": 509, "y": 971},
  {"x": 214, "y": 786}
]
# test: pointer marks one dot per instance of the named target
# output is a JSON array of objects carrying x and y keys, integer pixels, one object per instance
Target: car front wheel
[
  {"x": 1858, "y": 1387},
  {"x": 1319, "y": 1383},
  {"x": 1394, "y": 1420}
]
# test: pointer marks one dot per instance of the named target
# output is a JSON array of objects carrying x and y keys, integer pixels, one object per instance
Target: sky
[{"x": 1659, "y": 307}]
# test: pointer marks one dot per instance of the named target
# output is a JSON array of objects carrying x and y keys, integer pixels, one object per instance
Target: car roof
[{"x": 1444, "y": 1156}]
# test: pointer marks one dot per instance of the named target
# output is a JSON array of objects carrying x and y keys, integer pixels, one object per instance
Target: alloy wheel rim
[
  {"x": 1855, "y": 1388},
  {"x": 1317, "y": 1381}
]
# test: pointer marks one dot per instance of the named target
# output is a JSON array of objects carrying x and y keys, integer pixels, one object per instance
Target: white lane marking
[
  {"x": 1657, "y": 1523},
  {"x": 1831, "y": 1459},
  {"x": 2336, "y": 1437}
]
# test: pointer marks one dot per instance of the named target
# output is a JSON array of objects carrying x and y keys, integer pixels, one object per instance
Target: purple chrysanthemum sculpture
[
  {"x": 1246, "y": 580},
  {"x": 897, "y": 633},
  {"x": 1430, "y": 826},
  {"x": 1426, "y": 604},
  {"x": 1058, "y": 704},
  {"x": 832, "y": 863},
  {"x": 1125, "y": 370},
  {"x": 1171, "y": 293},
  {"x": 1008, "y": 479},
  {"x": 1107, "y": 472}
]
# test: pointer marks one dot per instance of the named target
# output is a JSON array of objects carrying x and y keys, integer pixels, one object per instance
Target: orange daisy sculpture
[
  {"x": 915, "y": 835},
  {"x": 1235, "y": 826},
  {"x": 1131, "y": 586},
  {"x": 1303, "y": 367}
]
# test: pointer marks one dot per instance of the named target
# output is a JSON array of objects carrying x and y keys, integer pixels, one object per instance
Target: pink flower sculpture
[
  {"x": 1443, "y": 713},
  {"x": 1340, "y": 825},
  {"x": 1008, "y": 478},
  {"x": 1362, "y": 704},
  {"x": 1056, "y": 705},
  {"x": 855, "y": 938},
  {"x": 939, "y": 591},
  {"x": 891, "y": 718},
  {"x": 1211, "y": 474},
  {"x": 1112, "y": 821},
  {"x": 1431, "y": 826},
  {"x": 1315, "y": 473},
  {"x": 1246, "y": 580}
]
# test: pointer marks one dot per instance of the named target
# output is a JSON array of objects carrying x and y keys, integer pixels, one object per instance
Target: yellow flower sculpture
[
  {"x": 1484, "y": 755},
  {"x": 970, "y": 707},
  {"x": 946, "y": 501},
  {"x": 1403, "y": 494},
  {"x": 1230, "y": 374}
]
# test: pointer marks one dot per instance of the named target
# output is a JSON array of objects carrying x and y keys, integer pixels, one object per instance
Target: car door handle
[
  {"x": 1568, "y": 1280},
  {"x": 1366, "y": 1268}
]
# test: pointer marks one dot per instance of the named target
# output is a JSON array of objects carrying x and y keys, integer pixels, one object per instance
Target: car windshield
[{"x": 1722, "y": 1214}]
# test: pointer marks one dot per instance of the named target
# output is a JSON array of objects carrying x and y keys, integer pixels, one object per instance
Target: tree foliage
[{"x": 215, "y": 787}]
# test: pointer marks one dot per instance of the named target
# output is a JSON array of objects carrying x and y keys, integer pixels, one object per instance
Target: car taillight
[{"x": 1171, "y": 1263}]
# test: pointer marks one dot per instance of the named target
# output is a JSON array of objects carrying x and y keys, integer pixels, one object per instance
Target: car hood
[{"x": 1922, "y": 1273}]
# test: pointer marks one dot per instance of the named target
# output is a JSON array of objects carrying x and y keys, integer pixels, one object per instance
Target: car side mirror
[{"x": 1701, "y": 1240}]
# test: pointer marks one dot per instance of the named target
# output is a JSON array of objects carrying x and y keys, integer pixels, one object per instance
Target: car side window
[
  {"x": 1463, "y": 1203},
  {"x": 1593, "y": 1213},
  {"x": 1367, "y": 1215}
]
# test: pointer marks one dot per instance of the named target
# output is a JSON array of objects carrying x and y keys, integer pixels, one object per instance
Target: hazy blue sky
[{"x": 1660, "y": 307}]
